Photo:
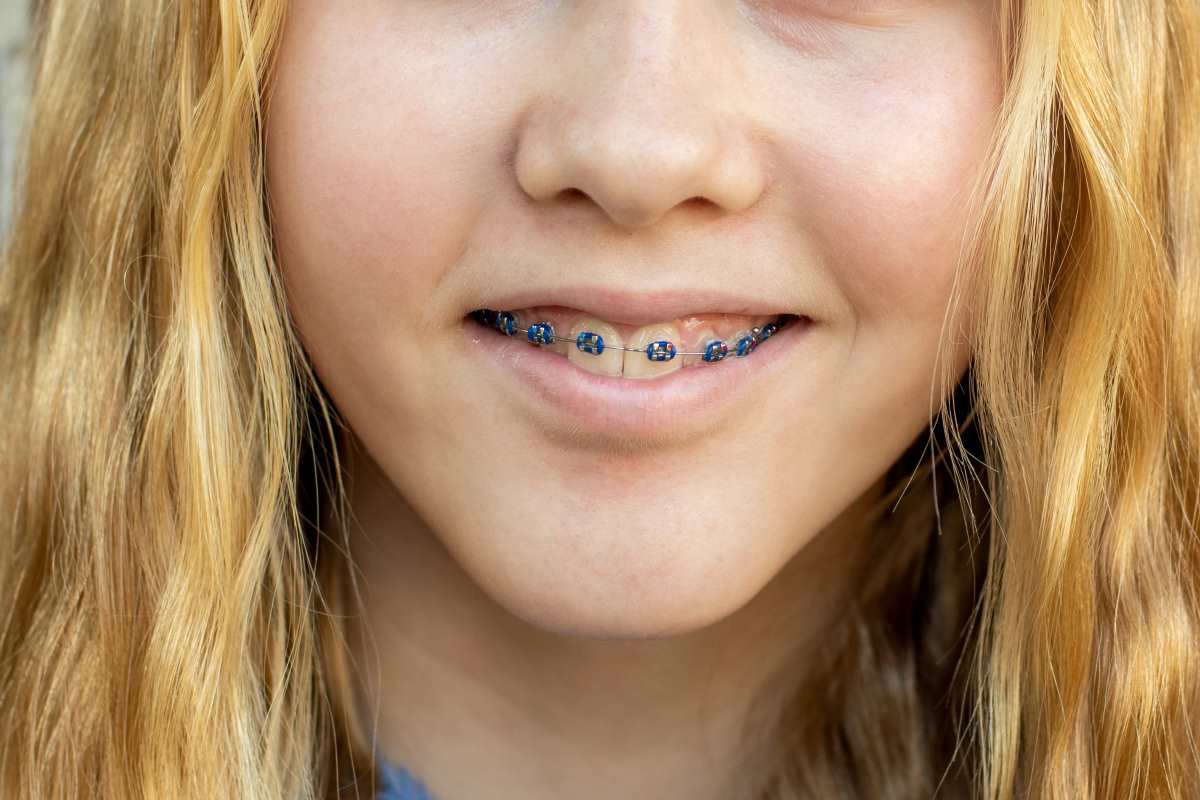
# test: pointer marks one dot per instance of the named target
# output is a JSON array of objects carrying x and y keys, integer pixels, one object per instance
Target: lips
[
  {"x": 576, "y": 395},
  {"x": 614, "y": 409}
]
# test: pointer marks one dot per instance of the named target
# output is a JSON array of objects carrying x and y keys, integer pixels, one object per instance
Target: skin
[{"x": 591, "y": 632}]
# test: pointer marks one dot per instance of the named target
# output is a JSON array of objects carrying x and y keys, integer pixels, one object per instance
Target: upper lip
[{"x": 639, "y": 308}]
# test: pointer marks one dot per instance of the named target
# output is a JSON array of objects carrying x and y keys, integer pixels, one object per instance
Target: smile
[
  {"x": 521, "y": 362},
  {"x": 646, "y": 352}
]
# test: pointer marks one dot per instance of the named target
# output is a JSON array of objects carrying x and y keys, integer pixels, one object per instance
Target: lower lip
[{"x": 687, "y": 400}]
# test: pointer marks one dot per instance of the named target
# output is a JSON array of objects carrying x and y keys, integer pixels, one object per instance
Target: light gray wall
[{"x": 13, "y": 76}]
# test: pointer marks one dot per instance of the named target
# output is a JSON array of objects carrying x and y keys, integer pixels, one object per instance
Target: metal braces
[{"x": 542, "y": 333}]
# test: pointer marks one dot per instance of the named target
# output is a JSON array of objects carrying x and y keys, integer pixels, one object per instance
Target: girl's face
[{"x": 644, "y": 169}]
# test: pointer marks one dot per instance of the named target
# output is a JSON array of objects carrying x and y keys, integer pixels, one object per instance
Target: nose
[{"x": 642, "y": 112}]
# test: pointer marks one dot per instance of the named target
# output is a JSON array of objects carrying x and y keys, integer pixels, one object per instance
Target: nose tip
[
  {"x": 644, "y": 113},
  {"x": 626, "y": 215},
  {"x": 638, "y": 174}
]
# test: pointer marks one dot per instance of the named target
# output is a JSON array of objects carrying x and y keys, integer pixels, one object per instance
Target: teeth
[
  {"x": 696, "y": 345},
  {"x": 688, "y": 335},
  {"x": 637, "y": 365},
  {"x": 564, "y": 348},
  {"x": 608, "y": 361},
  {"x": 738, "y": 348}
]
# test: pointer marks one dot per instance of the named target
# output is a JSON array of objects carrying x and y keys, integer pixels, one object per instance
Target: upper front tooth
[
  {"x": 609, "y": 360},
  {"x": 638, "y": 364}
]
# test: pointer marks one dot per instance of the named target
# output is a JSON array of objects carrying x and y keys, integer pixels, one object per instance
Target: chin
[
  {"x": 622, "y": 576},
  {"x": 574, "y": 612}
]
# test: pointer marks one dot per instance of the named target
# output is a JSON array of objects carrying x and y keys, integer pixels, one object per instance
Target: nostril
[{"x": 573, "y": 195}]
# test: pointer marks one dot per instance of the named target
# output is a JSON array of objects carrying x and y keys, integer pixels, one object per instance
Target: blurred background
[{"x": 14, "y": 23}]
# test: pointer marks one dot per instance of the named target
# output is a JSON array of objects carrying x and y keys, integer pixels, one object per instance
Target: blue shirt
[{"x": 397, "y": 783}]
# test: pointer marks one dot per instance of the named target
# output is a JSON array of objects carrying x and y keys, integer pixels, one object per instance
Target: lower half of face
[{"x": 629, "y": 174}]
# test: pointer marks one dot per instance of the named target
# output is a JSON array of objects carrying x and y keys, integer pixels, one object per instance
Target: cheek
[
  {"x": 889, "y": 147},
  {"x": 377, "y": 176},
  {"x": 898, "y": 195},
  {"x": 365, "y": 214}
]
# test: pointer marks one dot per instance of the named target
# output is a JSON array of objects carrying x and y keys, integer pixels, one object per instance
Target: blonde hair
[{"x": 171, "y": 596}]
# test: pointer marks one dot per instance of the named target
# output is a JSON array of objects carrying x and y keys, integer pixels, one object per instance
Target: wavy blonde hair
[{"x": 172, "y": 596}]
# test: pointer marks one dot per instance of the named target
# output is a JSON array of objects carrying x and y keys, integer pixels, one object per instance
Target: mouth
[
  {"x": 636, "y": 352},
  {"x": 621, "y": 382}
]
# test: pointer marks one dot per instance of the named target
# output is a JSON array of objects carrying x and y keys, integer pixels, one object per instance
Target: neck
[{"x": 477, "y": 702}]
